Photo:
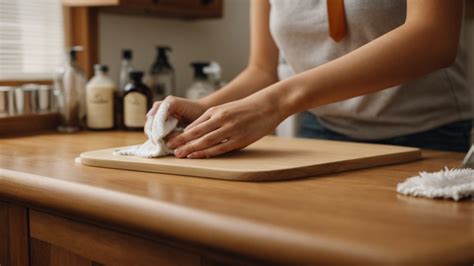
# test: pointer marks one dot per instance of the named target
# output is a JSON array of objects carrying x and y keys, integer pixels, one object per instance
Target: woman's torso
[{"x": 300, "y": 29}]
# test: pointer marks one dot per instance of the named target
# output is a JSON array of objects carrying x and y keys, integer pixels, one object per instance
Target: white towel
[
  {"x": 156, "y": 128},
  {"x": 447, "y": 183}
]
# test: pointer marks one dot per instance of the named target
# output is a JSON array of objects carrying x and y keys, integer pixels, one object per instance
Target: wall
[{"x": 224, "y": 40}]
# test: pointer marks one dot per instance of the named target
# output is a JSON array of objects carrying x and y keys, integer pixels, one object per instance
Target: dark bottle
[
  {"x": 137, "y": 101},
  {"x": 162, "y": 81}
]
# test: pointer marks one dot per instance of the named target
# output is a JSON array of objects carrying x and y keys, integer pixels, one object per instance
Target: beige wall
[{"x": 224, "y": 40}]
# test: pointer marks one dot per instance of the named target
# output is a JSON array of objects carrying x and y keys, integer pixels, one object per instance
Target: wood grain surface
[
  {"x": 271, "y": 158},
  {"x": 14, "y": 235},
  {"x": 111, "y": 249},
  {"x": 353, "y": 217}
]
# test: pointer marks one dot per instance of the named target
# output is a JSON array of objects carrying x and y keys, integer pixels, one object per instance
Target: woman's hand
[
  {"x": 186, "y": 111},
  {"x": 226, "y": 127}
]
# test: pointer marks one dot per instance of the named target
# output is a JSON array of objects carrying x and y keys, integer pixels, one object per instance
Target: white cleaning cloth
[
  {"x": 447, "y": 183},
  {"x": 156, "y": 128}
]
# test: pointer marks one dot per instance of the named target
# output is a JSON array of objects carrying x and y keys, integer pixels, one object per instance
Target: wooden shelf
[
  {"x": 184, "y": 9},
  {"x": 25, "y": 124}
]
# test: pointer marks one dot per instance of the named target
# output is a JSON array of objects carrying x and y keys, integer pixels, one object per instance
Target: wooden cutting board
[{"x": 271, "y": 158}]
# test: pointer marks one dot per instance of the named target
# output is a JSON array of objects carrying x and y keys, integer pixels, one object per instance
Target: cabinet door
[
  {"x": 13, "y": 235},
  {"x": 60, "y": 241}
]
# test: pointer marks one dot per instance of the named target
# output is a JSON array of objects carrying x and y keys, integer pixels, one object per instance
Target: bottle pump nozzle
[
  {"x": 199, "y": 69},
  {"x": 213, "y": 69},
  {"x": 163, "y": 53}
]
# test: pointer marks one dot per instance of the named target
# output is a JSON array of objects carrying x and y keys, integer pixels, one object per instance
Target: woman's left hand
[{"x": 226, "y": 127}]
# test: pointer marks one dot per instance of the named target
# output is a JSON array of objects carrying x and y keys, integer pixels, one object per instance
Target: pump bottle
[
  {"x": 214, "y": 73},
  {"x": 201, "y": 85},
  {"x": 162, "y": 78}
]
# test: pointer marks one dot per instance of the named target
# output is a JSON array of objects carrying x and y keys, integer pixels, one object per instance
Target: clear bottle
[
  {"x": 162, "y": 79},
  {"x": 125, "y": 69},
  {"x": 137, "y": 99},
  {"x": 100, "y": 100},
  {"x": 70, "y": 85},
  {"x": 201, "y": 85}
]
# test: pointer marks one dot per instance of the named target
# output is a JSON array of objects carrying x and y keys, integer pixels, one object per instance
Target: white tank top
[{"x": 300, "y": 30}]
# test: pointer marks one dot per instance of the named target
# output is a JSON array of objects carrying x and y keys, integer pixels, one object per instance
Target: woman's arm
[
  {"x": 263, "y": 61},
  {"x": 427, "y": 41}
]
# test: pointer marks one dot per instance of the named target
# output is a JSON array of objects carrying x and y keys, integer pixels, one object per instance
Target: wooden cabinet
[
  {"x": 73, "y": 243},
  {"x": 36, "y": 238},
  {"x": 187, "y": 9},
  {"x": 57, "y": 241},
  {"x": 13, "y": 235}
]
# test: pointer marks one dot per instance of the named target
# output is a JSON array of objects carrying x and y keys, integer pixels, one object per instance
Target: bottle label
[
  {"x": 100, "y": 107},
  {"x": 135, "y": 108},
  {"x": 162, "y": 86}
]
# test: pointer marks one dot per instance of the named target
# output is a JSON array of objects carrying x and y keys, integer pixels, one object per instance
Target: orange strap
[{"x": 336, "y": 19}]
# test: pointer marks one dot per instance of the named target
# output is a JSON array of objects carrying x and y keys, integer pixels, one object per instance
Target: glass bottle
[
  {"x": 70, "y": 86},
  {"x": 162, "y": 75},
  {"x": 100, "y": 100},
  {"x": 137, "y": 99},
  {"x": 125, "y": 69}
]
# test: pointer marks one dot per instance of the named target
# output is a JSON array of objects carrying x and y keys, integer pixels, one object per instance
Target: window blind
[{"x": 31, "y": 39}]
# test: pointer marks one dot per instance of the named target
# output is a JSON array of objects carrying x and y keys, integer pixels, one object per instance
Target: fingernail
[
  {"x": 179, "y": 152},
  {"x": 191, "y": 156},
  {"x": 170, "y": 145}
]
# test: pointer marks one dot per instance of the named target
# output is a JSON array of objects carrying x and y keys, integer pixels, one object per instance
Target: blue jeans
[{"x": 451, "y": 137}]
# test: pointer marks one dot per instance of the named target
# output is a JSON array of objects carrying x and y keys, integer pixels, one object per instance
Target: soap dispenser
[
  {"x": 70, "y": 85},
  {"x": 201, "y": 85},
  {"x": 162, "y": 81},
  {"x": 214, "y": 72}
]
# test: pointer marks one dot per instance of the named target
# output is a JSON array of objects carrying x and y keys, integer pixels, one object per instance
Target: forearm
[
  {"x": 249, "y": 81},
  {"x": 397, "y": 57}
]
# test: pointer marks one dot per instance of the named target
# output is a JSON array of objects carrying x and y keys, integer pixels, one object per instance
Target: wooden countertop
[{"x": 354, "y": 216}]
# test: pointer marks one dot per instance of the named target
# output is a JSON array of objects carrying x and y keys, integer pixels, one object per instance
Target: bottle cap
[
  {"x": 102, "y": 68},
  {"x": 127, "y": 54},
  {"x": 199, "y": 69},
  {"x": 136, "y": 75},
  {"x": 73, "y": 52}
]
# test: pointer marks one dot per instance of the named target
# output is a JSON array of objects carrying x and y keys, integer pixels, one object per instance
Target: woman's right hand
[{"x": 186, "y": 111}]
